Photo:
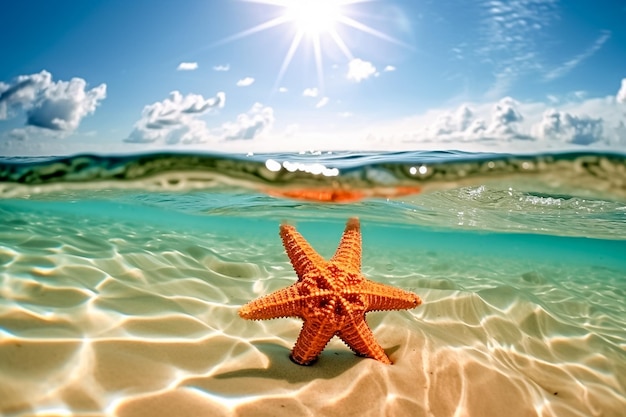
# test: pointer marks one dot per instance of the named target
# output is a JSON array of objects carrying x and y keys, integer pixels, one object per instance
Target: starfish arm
[
  {"x": 348, "y": 253},
  {"x": 384, "y": 297},
  {"x": 282, "y": 303},
  {"x": 313, "y": 338},
  {"x": 359, "y": 337},
  {"x": 302, "y": 255}
]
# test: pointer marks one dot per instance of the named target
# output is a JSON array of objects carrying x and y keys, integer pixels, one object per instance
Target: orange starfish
[
  {"x": 338, "y": 195},
  {"x": 331, "y": 297}
]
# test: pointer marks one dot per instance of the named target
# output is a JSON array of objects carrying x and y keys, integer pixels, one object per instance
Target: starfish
[{"x": 331, "y": 297}]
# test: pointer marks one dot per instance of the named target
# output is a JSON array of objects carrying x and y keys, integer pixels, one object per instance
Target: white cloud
[
  {"x": 187, "y": 66},
  {"x": 256, "y": 121},
  {"x": 221, "y": 68},
  {"x": 621, "y": 94},
  {"x": 175, "y": 119},
  {"x": 282, "y": 90},
  {"x": 389, "y": 68},
  {"x": 359, "y": 70},
  {"x": 552, "y": 98},
  {"x": 505, "y": 119},
  {"x": 245, "y": 82},
  {"x": 508, "y": 125},
  {"x": 310, "y": 92},
  {"x": 323, "y": 102},
  {"x": 27, "y": 133},
  {"x": 517, "y": 41},
  {"x": 569, "y": 65},
  {"x": 458, "y": 52},
  {"x": 455, "y": 122},
  {"x": 568, "y": 128},
  {"x": 58, "y": 106},
  {"x": 562, "y": 122},
  {"x": 510, "y": 43},
  {"x": 468, "y": 124}
]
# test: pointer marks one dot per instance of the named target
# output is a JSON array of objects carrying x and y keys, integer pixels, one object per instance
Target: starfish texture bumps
[{"x": 331, "y": 297}]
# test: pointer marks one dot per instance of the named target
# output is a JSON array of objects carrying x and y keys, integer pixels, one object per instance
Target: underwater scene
[{"x": 122, "y": 280}]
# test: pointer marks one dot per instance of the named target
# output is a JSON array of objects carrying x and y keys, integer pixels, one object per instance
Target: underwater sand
[
  {"x": 132, "y": 318},
  {"x": 123, "y": 307}
]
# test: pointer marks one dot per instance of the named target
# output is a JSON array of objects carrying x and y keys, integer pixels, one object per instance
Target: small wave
[{"x": 380, "y": 174}]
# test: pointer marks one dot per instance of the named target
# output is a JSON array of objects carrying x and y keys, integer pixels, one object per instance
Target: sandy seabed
[{"x": 110, "y": 322}]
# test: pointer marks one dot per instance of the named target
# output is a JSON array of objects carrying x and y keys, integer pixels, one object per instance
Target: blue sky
[{"x": 230, "y": 75}]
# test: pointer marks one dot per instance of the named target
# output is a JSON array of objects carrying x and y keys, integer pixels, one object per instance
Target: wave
[{"x": 346, "y": 175}]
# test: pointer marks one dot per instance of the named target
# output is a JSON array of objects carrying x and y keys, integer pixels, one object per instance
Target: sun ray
[
  {"x": 341, "y": 44},
  {"x": 312, "y": 20},
  {"x": 288, "y": 57},
  {"x": 317, "y": 50},
  {"x": 277, "y": 21},
  {"x": 364, "y": 28}
]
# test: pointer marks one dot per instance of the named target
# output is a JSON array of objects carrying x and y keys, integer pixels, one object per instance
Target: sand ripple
[{"x": 134, "y": 319}]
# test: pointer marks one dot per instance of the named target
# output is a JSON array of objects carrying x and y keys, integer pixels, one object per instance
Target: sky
[{"x": 240, "y": 76}]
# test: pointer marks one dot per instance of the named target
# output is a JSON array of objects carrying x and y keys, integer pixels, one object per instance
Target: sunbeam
[{"x": 312, "y": 20}]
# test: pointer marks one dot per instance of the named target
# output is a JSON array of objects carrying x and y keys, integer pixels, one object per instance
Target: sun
[
  {"x": 312, "y": 20},
  {"x": 313, "y": 17}
]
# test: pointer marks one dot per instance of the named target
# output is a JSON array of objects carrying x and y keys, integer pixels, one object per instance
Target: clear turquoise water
[{"x": 120, "y": 280}]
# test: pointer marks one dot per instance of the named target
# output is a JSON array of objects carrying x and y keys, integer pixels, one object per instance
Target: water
[{"x": 121, "y": 277}]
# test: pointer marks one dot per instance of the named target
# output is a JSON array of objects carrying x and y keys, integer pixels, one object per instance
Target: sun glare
[
  {"x": 313, "y": 20},
  {"x": 313, "y": 17}
]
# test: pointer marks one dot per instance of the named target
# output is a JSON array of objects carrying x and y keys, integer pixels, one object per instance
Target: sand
[
  {"x": 112, "y": 322},
  {"x": 441, "y": 368}
]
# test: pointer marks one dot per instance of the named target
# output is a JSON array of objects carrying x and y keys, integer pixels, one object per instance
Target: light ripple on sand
[{"x": 148, "y": 326}]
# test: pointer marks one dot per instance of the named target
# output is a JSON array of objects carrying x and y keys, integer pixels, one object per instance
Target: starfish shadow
[{"x": 331, "y": 363}]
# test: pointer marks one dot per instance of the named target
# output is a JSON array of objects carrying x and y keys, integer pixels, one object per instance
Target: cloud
[
  {"x": 282, "y": 90},
  {"x": 310, "y": 92},
  {"x": 505, "y": 119},
  {"x": 23, "y": 134},
  {"x": 507, "y": 125},
  {"x": 459, "y": 121},
  {"x": 621, "y": 94},
  {"x": 568, "y": 128},
  {"x": 389, "y": 68},
  {"x": 245, "y": 82},
  {"x": 509, "y": 42},
  {"x": 187, "y": 66},
  {"x": 322, "y": 103},
  {"x": 512, "y": 24},
  {"x": 250, "y": 125},
  {"x": 458, "y": 52},
  {"x": 222, "y": 68},
  {"x": 175, "y": 119},
  {"x": 359, "y": 70},
  {"x": 517, "y": 40},
  {"x": 467, "y": 124},
  {"x": 578, "y": 59},
  {"x": 58, "y": 106}
]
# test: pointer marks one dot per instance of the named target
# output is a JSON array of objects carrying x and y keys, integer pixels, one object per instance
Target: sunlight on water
[{"x": 124, "y": 302}]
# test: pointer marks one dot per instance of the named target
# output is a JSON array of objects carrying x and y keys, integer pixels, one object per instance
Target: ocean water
[{"x": 121, "y": 277}]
